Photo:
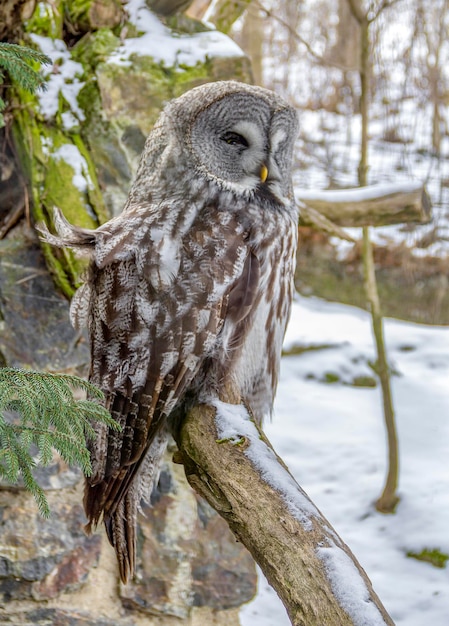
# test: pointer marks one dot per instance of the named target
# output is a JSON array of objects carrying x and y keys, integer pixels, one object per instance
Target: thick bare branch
[
  {"x": 377, "y": 205},
  {"x": 225, "y": 12},
  {"x": 234, "y": 467},
  {"x": 356, "y": 7},
  {"x": 314, "y": 219}
]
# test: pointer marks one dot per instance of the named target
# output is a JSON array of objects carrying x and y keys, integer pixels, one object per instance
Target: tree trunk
[
  {"x": 252, "y": 40},
  {"x": 388, "y": 500}
]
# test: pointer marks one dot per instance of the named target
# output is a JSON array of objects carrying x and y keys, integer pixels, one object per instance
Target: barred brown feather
[{"x": 189, "y": 287}]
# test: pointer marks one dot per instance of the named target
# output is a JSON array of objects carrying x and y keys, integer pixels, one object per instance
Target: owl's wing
[{"x": 155, "y": 317}]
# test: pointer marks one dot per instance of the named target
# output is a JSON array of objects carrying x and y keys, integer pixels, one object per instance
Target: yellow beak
[{"x": 263, "y": 173}]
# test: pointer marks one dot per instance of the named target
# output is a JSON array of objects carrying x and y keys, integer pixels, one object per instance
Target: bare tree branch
[
  {"x": 225, "y": 12},
  {"x": 231, "y": 463},
  {"x": 318, "y": 57}
]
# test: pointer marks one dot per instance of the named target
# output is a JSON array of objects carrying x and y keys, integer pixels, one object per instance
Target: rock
[
  {"x": 122, "y": 99},
  {"x": 88, "y": 15},
  {"x": 39, "y": 558},
  {"x": 59, "y": 617},
  {"x": 61, "y": 174},
  {"x": 35, "y": 330},
  {"x": 168, "y": 7},
  {"x": 187, "y": 556}
]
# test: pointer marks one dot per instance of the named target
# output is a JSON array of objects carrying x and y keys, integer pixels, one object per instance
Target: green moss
[
  {"x": 47, "y": 20},
  {"x": 331, "y": 378},
  {"x": 52, "y": 184},
  {"x": 88, "y": 100},
  {"x": 95, "y": 48},
  {"x": 433, "y": 556},
  {"x": 187, "y": 77},
  {"x": 233, "y": 441},
  {"x": 364, "y": 381},
  {"x": 297, "y": 349},
  {"x": 94, "y": 195},
  {"x": 78, "y": 9}
]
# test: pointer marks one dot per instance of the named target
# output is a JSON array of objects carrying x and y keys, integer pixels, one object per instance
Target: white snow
[
  {"x": 63, "y": 76},
  {"x": 349, "y": 588},
  {"x": 233, "y": 423},
  {"x": 332, "y": 438},
  {"x": 71, "y": 155},
  {"x": 157, "y": 41},
  {"x": 358, "y": 194}
]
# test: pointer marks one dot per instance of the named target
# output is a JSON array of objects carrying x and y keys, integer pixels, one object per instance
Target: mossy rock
[
  {"x": 61, "y": 174},
  {"x": 87, "y": 15},
  {"x": 47, "y": 20}
]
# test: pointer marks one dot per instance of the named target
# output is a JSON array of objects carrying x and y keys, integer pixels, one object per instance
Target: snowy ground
[{"x": 332, "y": 438}]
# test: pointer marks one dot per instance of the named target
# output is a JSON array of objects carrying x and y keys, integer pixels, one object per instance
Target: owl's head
[{"x": 238, "y": 135}]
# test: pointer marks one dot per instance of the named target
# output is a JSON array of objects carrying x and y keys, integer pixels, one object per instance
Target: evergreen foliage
[
  {"x": 17, "y": 61},
  {"x": 39, "y": 408}
]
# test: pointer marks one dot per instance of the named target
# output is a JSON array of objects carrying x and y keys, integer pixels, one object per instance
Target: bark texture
[
  {"x": 288, "y": 547},
  {"x": 400, "y": 207}
]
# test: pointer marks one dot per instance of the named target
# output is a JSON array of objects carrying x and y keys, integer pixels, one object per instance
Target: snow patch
[
  {"x": 233, "y": 423},
  {"x": 348, "y": 587},
  {"x": 61, "y": 77},
  {"x": 158, "y": 41},
  {"x": 71, "y": 155}
]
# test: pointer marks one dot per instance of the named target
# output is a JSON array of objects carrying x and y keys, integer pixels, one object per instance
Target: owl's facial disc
[
  {"x": 229, "y": 143},
  {"x": 249, "y": 153},
  {"x": 241, "y": 142}
]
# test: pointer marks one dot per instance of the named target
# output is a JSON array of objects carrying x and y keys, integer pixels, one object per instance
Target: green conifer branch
[
  {"x": 18, "y": 61},
  {"x": 39, "y": 408}
]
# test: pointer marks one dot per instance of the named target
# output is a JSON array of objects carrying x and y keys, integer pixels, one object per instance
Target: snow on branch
[
  {"x": 374, "y": 205},
  {"x": 230, "y": 462}
]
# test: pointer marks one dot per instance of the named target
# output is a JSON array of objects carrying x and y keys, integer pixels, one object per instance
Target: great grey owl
[{"x": 189, "y": 288}]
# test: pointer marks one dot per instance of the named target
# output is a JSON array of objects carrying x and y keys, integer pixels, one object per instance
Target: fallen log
[{"x": 374, "y": 205}]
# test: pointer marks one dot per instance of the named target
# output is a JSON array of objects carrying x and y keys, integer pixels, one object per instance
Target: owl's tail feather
[
  {"x": 121, "y": 531},
  {"x": 118, "y": 501},
  {"x": 120, "y": 525},
  {"x": 71, "y": 236},
  {"x": 93, "y": 504}
]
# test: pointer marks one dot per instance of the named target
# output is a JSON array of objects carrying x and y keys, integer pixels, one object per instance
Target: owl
[{"x": 189, "y": 289}]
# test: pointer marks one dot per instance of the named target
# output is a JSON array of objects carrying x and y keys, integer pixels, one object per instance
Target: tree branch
[
  {"x": 231, "y": 463},
  {"x": 319, "y": 58},
  {"x": 376, "y": 205}
]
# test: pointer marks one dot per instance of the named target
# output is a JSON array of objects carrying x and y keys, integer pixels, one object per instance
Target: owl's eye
[{"x": 234, "y": 139}]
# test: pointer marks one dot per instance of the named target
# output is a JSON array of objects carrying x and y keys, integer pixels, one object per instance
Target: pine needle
[
  {"x": 49, "y": 417},
  {"x": 18, "y": 62}
]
